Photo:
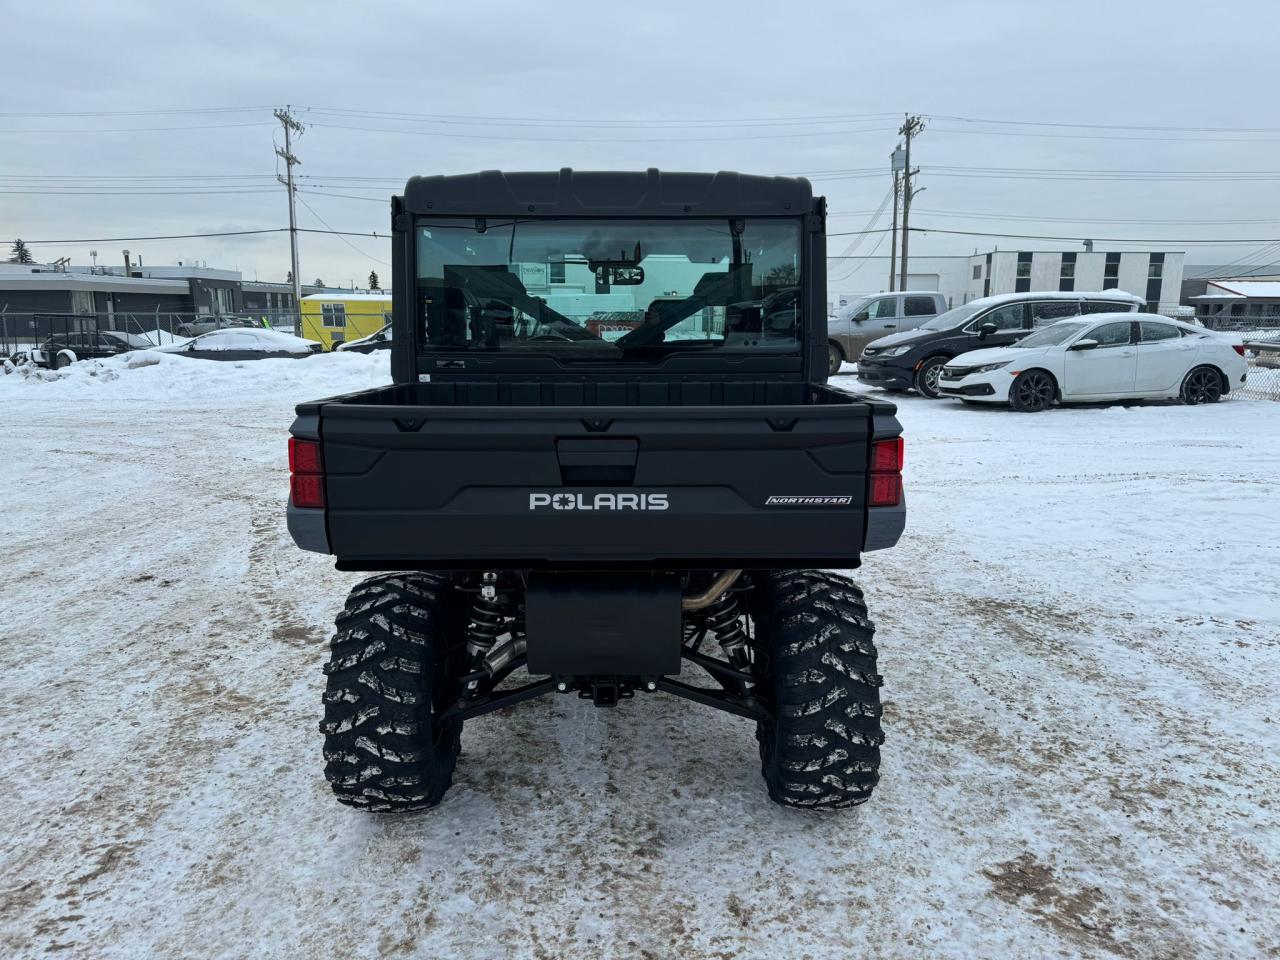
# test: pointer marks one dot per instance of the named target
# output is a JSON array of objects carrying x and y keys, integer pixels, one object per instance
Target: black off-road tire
[
  {"x": 926, "y": 381},
  {"x": 399, "y": 638},
  {"x": 820, "y": 748}
]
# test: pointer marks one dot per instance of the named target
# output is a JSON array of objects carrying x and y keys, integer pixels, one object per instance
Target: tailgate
[{"x": 457, "y": 487}]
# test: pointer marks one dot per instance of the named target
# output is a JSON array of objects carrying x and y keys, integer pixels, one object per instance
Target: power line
[
  {"x": 137, "y": 113},
  {"x": 134, "y": 193},
  {"x": 642, "y": 140},
  {"x": 1053, "y": 219},
  {"x": 861, "y": 237},
  {"x": 341, "y": 236},
  {"x": 1065, "y": 173},
  {"x": 1034, "y": 236},
  {"x": 1107, "y": 126},
  {"x": 347, "y": 196},
  {"x": 220, "y": 233},
  {"x": 79, "y": 130},
  {"x": 137, "y": 176},
  {"x": 170, "y": 236},
  {"x": 1100, "y": 136},
  {"x": 614, "y": 122}
]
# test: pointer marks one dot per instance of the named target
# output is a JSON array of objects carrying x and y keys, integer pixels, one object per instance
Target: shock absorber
[
  {"x": 488, "y": 621},
  {"x": 724, "y": 620}
]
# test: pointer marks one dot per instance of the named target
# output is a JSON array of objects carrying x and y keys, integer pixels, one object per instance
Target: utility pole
[
  {"x": 910, "y": 128},
  {"x": 291, "y": 126},
  {"x": 896, "y": 164}
]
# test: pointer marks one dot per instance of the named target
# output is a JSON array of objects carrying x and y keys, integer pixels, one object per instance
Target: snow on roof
[
  {"x": 57, "y": 280},
  {"x": 999, "y": 298},
  {"x": 1249, "y": 288},
  {"x": 377, "y": 297}
]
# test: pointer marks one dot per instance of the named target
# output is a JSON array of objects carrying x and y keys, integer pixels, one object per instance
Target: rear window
[
  {"x": 1106, "y": 306},
  {"x": 1048, "y": 311},
  {"x": 609, "y": 289},
  {"x": 1157, "y": 331},
  {"x": 920, "y": 307}
]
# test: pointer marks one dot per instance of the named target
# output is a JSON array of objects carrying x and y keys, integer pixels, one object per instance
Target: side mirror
[
  {"x": 1084, "y": 344},
  {"x": 859, "y": 317},
  {"x": 986, "y": 330}
]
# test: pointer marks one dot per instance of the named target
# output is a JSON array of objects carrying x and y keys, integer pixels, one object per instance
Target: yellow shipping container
[{"x": 334, "y": 318}]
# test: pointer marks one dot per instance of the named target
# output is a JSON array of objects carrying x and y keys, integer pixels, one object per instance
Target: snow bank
[{"x": 154, "y": 375}]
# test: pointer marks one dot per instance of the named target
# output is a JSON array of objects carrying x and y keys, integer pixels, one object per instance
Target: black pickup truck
[{"x": 609, "y": 454}]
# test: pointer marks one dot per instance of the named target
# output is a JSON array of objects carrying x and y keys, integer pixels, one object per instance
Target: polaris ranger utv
[{"x": 609, "y": 455}]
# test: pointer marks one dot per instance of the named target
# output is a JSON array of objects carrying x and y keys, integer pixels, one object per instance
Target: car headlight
[
  {"x": 988, "y": 367},
  {"x": 895, "y": 351}
]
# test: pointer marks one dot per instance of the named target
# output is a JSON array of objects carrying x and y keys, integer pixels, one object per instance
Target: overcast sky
[{"x": 600, "y": 70}]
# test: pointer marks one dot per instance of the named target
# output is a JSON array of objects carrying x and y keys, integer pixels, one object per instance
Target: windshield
[
  {"x": 599, "y": 289},
  {"x": 951, "y": 319},
  {"x": 128, "y": 339},
  {"x": 1051, "y": 336}
]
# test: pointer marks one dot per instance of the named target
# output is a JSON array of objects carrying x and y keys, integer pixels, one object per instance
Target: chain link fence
[
  {"x": 329, "y": 325},
  {"x": 1263, "y": 353}
]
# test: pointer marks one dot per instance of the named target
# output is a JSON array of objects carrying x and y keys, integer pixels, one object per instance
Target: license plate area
[{"x": 603, "y": 624}]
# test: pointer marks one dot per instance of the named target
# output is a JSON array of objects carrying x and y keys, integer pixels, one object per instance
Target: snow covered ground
[{"x": 1080, "y": 635}]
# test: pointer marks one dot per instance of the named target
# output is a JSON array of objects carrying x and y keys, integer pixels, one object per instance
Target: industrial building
[
  {"x": 1155, "y": 276},
  {"x": 1229, "y": 303}
]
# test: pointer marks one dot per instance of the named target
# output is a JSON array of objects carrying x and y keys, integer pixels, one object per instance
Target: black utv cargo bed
[{"x": 544, "y": 474}]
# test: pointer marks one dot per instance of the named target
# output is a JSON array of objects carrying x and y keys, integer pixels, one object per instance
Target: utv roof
[{"x": 594, "y": 193}]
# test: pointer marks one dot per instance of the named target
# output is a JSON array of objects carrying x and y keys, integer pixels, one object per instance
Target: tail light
[
  {"x": 1238, "y": 348},
  {"x": 886, "y": 473},
  {"x": 306, "y": 473}
]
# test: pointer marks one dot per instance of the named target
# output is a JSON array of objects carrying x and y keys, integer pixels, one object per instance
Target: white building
[{"x": 1156, "y": 276}]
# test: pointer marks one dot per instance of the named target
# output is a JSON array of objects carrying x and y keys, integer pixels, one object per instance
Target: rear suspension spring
[{"x": 724, "y": 620}]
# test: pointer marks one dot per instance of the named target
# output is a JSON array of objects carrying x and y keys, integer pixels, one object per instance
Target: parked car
[
  {"x": 903, "y": 361},
  {"x": 870, "y": 318},
  {"x": 244, "y": 344},
  {"x": 62, "y": 349},
  {"x": 375, "y": 341},
  {"x": 209, "y": 323},
  {"x": 1113, "y": 356}
]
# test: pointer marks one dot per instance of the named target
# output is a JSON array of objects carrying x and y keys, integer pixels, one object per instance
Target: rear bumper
[{"x": 307, "y": 527}]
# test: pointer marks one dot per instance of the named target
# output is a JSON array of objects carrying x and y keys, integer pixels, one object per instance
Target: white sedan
[{"x": 1108, "y": 356}]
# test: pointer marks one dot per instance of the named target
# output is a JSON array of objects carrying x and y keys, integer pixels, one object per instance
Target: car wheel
[
  {"x": 927, "y": 377},
  {"x": 835, "y": 357},
  {"x": 61, "y": 360},
  {"x": 1202, "y": 385},
  {"x": 1032, "y": 391}
]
